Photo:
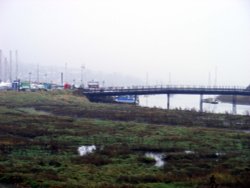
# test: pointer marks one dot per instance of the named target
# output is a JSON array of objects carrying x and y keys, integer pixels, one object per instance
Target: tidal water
[{"x": 190, "y": 102}]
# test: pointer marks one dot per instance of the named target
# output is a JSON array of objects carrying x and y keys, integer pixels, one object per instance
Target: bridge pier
[
  {"x": 136, "y": 100},
  {"x": 168, "y": 102},
  {"x": 234, "y": 102},
  {"x": 201, "y": 102}
]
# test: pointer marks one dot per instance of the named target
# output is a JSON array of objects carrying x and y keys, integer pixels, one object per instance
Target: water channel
[{"x": 190, "y": 102}]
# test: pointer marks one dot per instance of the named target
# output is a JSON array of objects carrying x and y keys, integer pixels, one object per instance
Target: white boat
[{"x": 211, "y": 100}]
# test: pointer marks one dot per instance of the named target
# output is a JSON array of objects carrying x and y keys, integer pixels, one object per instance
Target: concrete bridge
[{"x": 169, "y": 89}]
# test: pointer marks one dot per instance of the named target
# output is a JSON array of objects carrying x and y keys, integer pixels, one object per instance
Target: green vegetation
[{"x": 40, "y": 134}]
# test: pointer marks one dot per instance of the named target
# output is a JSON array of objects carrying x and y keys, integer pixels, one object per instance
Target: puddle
[
  {"x": 158, "y": 157},
  {"x": 189, "y": 152},
  {"x": 84, "y": 150},
  {"x": 219, "y": 154}
]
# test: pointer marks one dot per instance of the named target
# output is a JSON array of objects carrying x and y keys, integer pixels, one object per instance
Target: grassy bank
[{"x": 41, "y": 132}]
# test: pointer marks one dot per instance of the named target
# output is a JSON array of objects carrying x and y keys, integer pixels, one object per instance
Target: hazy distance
[{"x": 187, "y": 40}]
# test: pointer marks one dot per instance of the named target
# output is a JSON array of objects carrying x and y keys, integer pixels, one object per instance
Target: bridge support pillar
[
  {"x": 201, "y": 103},
  {"x": 168, "y": 102},
  {"x": 136, "y": 100},
  {"x": 234, "y": 102}
]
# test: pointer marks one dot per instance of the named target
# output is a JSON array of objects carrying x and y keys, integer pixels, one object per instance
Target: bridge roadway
[{"x": 169, "y": 89}]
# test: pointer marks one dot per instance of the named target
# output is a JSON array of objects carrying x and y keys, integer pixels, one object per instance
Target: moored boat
[
  {"x": 211, "y": 100},
  {"x": 129, "y": 99}
]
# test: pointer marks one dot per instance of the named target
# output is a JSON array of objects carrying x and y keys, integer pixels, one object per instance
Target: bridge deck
[{"x": 154, "y": 90}]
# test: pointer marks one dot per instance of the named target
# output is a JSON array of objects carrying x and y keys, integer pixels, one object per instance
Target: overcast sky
[{"x": 187, "y": 38}]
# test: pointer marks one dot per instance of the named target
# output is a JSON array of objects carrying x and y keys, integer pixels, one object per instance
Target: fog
[{"x": 167, "y": 41}]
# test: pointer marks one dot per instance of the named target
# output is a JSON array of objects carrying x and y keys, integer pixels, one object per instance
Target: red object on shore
[{"x": 67, "y": 86}]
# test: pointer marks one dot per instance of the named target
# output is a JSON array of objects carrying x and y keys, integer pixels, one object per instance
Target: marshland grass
[{"x": 40, "y": 133}]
